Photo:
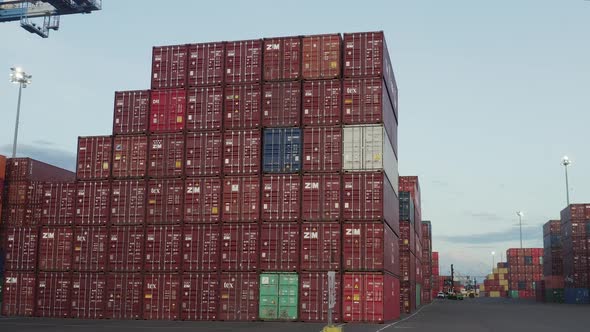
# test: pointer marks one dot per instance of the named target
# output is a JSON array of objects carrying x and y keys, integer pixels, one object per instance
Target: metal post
[
  {"x": 567, "y": 187},
  {"x": 520, "y": 223},
  {"x": 20, "y": 89}
]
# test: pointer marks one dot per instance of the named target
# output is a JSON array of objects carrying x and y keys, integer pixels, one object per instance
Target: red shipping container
[
  {"x": 321, "y": 197},
  {"x": 321, "y": 56},
  {"x": 200, "y": 296},
  {"x": 130, "y": 156},
  {"x": 2, "y": 168},
  {"x": 19, "y": 293},
  {"x": 201, "y": 247},
  {"x": 241, "y": 152},
  {"x": 370, "y": 297},
  {"x": 20, "y": 246},
  {"x": 370, "y": 247},
  {"x": 23, "y": 203},
  {"x": 55, "y": 248},
  {"x": 88, "y": 295},
  {"x": 243, "y": 61},
  {"x": 282, "y": 59},
  {"x": 25, "y": 193},
  {"x": 58, "y": 203},
  {"x": 92, "y": 203},
  {"x": 132, "y": 110},
  {"x": 202, "y": 200},
  {"x": 238, "y": 300},
  {"x": 205, "y": 64},
  {"x": 322, "y": 103},
  {"x": 242, "y": 106},
  {"x": 241, "y": 199},
  {"x": 204, "y": 108},
  {"x": 279, "y": 247},
  {"x": 161, "y": 293},
  {"x": 165, "y": 201},
  {"x": 90, "y": 248},
  {"x": 126, "y": 248},
  {"x": 163, "y": 248},
  {"x": 322, "y": 149},
  {"x": 313, "y": 294},
  {"x": 169, "y": 66},
  {"x": 370, "y": 196},
  {"x": 166, "y": 155},
  {"x": 94, "y": 157},
  {"x": 239, "y": 247},
  {"x": 123, "y": 296},
  {"x": 128, "y": 202},
  {"x": 320, "y": 247},
  {"x": 203, "y": 154},
  {"x": 412, "y": 185},
  {"x": 365, "y": 102},
  {"x": 167, "y": 111},
  {"x": 53, "y": 294},
  {"x": 365, "y": 55},
  {"x": 27, "y": 169},
  {"x": 280, "y": 197},
  {"x": 281, "y": 104}
]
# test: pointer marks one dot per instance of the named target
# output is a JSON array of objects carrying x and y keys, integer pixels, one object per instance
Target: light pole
[
  {"x": 565, "y": 161},
  {"x": 18, "y": 76},
  {"x": 493, "y": 260},
  {"x": 520, "y": 214}
]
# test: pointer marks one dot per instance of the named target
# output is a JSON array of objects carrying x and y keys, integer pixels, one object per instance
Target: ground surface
[{"x": 471, "y": 315}]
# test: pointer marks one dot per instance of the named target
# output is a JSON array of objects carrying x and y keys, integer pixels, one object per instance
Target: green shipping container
[
  {"x": 555, "y": 295},
  {"x": 418, "y": 295},
  {"x": 279, "y": 295},
  {"x": 513, "y": 294}
]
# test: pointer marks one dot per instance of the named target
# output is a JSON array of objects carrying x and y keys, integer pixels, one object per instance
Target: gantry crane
[{"x": 26, "y": 11}]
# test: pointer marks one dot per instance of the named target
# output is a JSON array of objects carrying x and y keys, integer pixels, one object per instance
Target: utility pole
[{"x": 452, "y": 278}]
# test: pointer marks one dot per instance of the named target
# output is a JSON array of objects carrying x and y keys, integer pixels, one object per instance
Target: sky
[{"x": 491, "y": 95}]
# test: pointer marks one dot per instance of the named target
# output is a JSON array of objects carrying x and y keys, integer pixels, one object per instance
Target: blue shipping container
[
  {"x": 577, "y": 296},
  {"x": 281, "y": 150}
]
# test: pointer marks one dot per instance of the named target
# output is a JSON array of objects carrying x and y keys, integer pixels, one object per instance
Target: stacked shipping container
[
  {"x": 525, "y": 271},
  {"x": 250, "y": 169},
  {"x": 497, "y": 283},
  {"x": 575, "y": 232},
  {"x": 553, "y": 282},
  {"x": 426, "y": 261},
  {"x": 436, "y": 284}
]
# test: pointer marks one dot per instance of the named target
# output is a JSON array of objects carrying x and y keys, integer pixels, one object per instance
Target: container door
[
  {"x": 269, "y": 296},
  {"x": 288, "y": 296}
]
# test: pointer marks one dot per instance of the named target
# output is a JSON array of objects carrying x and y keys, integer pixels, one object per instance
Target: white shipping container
[{"x": 367, "y": 148}]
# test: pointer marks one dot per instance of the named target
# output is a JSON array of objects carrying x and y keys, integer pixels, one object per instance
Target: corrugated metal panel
[
  {"x": 238, "y": 296},
  {"x": 313, "y": 306},
  {"x": 201, "y": 247},
  {"x": 123, "y": 296},
  {"x": 243, "y": 61},
  {"x": 166, "y": 156},
  {"x": 280, "y": 197},
  {"x": 128, "y": 198},
  {"x": 58, "y": 203},
  {"x": 165, "y": 198},
  {"x": 20, "y": 246},
  {"x": 53, "y": 294},
  {"x": 200, "y": 296},
  {"x": 167, "y": 111},
  {"x": 322, "y": 149},
  {"x": 162, "y": 248},
  {"x": 239, "y": 247},
  {"x": 279, "y": 246},
  {"x": 243, "y": 106},
  {"x": 321, "y": 56},
  {"x": 281, "y": 104},
  {"x": 90, "y": 248},
  {"x": 55, "y": 248},
  {"x": 94, "y": 157},
  {"x": 92, "y": 203},
  {"x": 126, "y": 248},
  {"x": 282, "y": 150},
  {"x": 161, "y": 294},
  {"x": 322, "y": 103},
  {"x": 204, "y": 108},
  {"x": 282, "y": 59},
  {"x": 241, "y": 152},
  {"x": 241, "y": 199},
  {"x": 131, "y": 115},
  {"x": 205, "y": 63},
  {"x": 321, "y": 197},
  {"x": 88, "y": 295},
  {"x": 204, "y": 154},
  {"x": 321, "y": 247},
  {"x": 169, "y": 65},
  {"x": 130, "y": 156},
  {"x": 19, "y": 293},
  {"x": 366, "y": 148},
  {"x": 202, "y": 200}
]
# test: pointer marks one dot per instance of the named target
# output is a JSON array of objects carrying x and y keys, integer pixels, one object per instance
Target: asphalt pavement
[{"x": 470, "y": 315}]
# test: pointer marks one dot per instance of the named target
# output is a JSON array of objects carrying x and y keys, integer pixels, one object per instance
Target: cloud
[
  {"x": 43, "y": 142},
  {"x": 488, "y": 216},
  {"x": 44, "y": 153},
  {"x": 511, "y": 234}
]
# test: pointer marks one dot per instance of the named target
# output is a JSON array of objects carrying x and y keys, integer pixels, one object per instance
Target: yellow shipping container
[
  {"x": 482, "y": 288},
  {"x": 501, "y": 277},
  {"x": 490, "y": 277},
  {"x": 495, "y": 271},
  {"x": 503, "y": 282},
  {"x": 505, "y": 288},
  {"x": 495, "y": 294},
  {"x": 503, "y": 270}
]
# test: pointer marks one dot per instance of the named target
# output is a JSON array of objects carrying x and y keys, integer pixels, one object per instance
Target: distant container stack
[
  {"x": 575, "y": 232},
  {"x": 497, "y": 283},
  {"x": 525, "y": 271},
  {"x": 410, "y": 243},
  {"x": 553, "y": 281},
  {"x": 427, "y": 262},
  {"x": 435, "y": 271}
]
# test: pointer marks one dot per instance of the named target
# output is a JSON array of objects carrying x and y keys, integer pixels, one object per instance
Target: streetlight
[
  {"x": 565, "y": 161},
  {"x": 493, "y": 260},
  {"x": 18, "y": 76},
  {"x": 520, "y": 215}
]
